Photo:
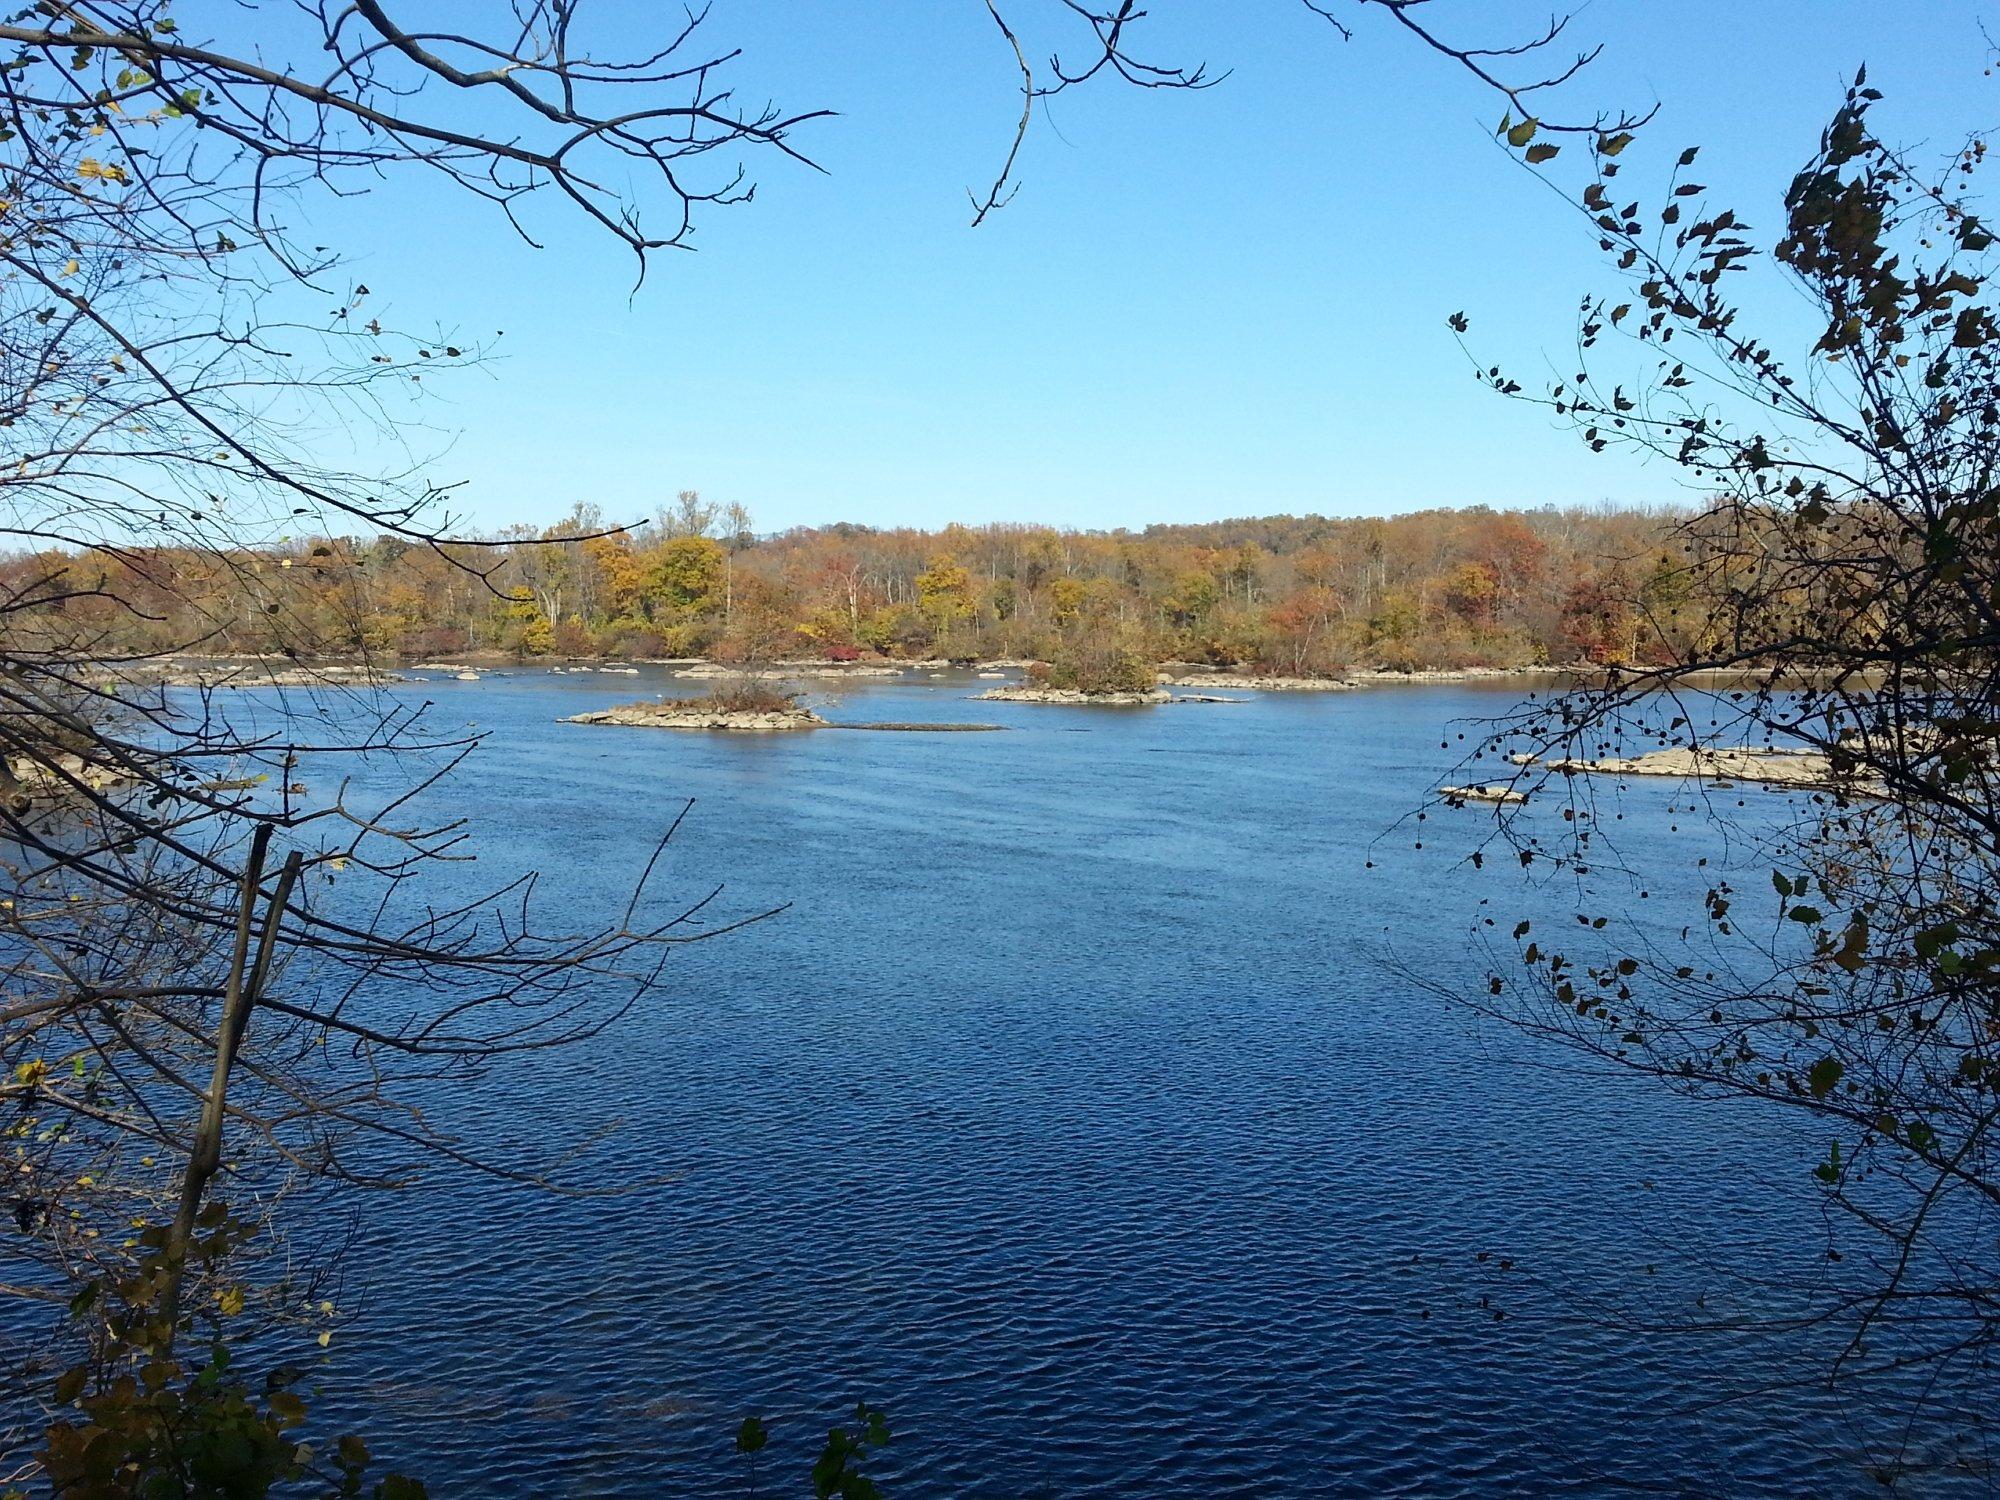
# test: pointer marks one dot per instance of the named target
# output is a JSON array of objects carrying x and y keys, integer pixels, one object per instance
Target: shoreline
[{"x": 243, "y": 671}]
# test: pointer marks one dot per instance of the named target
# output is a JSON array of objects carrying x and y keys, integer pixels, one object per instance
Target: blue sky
[{"x": 1199, "y": 305}]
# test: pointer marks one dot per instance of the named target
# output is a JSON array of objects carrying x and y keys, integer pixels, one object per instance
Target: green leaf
[
  {"x": 752, "y": 1435},
  {"x": 1825, "y": 1074},
  {"x": 1933, "y": 940},
  {"x": 1539, "y": 154},
  {"x": 1807, "y": 914},
  {"x": 1522, "y": 133}
]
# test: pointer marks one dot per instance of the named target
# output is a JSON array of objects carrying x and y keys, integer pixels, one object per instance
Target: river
[{"x": 1079, "y": 1111}]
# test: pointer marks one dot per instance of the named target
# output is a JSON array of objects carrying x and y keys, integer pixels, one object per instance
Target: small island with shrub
[
  {"x": 747, "y": 706},
  {"x": 1088, "y": 672}
]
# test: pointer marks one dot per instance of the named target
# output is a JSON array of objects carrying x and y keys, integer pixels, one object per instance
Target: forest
[{"x": 1302, "y": 595}]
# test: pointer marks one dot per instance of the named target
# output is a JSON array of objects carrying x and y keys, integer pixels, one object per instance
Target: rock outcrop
[
  {"x": 1074, "y": 698},
  {"x": 58, "y": 779},
  {"x": 259, "y": 673},
  {"x": 1272, "y": 682},
  {"x": 1382, "y": 677},
  {"x": 793, "y": 669},
  {"x": 1806, "y": 769},
  {"x": 1261, "y": 683},
  {"x": 695, "y": 716},
  {"x": 1486, "y": 792}
]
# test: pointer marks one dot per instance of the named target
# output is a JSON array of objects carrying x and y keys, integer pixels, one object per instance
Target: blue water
[{"x": 1075, "y": 1111}]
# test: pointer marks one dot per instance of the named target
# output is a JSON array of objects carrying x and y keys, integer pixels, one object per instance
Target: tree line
[{"x": 1303, "y": 595}]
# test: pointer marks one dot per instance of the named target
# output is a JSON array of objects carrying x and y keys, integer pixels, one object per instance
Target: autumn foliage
[{"x": 1301, "y": 595}]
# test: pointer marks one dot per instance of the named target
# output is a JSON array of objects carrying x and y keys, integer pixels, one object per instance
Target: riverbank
[{"x": 476, "y": 666}]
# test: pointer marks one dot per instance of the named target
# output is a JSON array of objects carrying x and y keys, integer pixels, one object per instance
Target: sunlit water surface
[{"x": 1076, "y": 1112}]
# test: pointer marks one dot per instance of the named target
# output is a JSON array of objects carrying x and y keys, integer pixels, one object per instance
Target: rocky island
[
  {"x": 1087, "y": 675},
  {"x": 1259, "y": 682},
  {"x": 813, "y": 667},
  {"x": 1486, "y": 791},
  {"x": 1180, "y": 675},
  {"x": 1770, "y": 765},
  {"x": 746, "y": 705},
  {"x": 1029, "y": 692},
  {"x": 701, "y": 713}
]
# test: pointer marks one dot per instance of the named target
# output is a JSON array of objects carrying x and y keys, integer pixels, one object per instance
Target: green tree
[
  {"x": 1192, "y": 598},
  {"x": 944, "y": 594},
  {"x": 685, "y": 577}
]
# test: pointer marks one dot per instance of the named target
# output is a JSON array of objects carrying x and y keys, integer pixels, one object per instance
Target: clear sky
[{"x": 1199, "y": 305}]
